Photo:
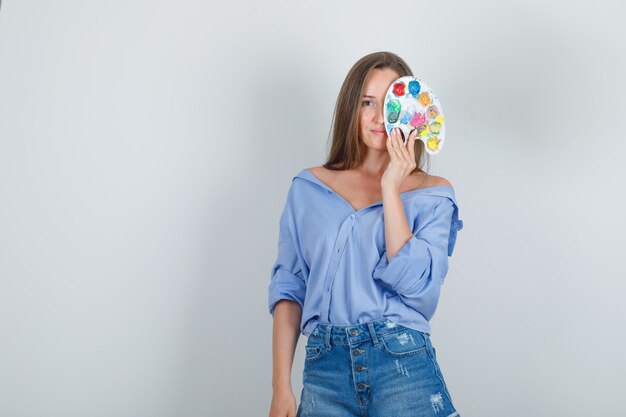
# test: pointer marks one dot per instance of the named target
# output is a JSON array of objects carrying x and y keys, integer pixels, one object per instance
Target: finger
[
  {"x": 411, "y": 144},
  {"x": 390, "y": 141},
  {"x": 403, "y": 153},
  {"x": 396, "y": 145},
  {"x": 393, "y": 144}
]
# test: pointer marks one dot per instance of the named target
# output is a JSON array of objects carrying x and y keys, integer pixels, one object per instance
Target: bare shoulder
[
  {"x": 437, "y": 180},
  {"x": 324, "y": 173},
  {"x": 319, "y": 171},
  {"x": 423, "y": 180}
]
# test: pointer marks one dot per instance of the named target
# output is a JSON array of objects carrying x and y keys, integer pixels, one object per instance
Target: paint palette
[{"x": 410, "y": 104}]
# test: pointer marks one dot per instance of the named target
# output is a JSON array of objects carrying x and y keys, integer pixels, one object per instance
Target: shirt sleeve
[
  {"x": 287, "y": 281},
  {"x": 417, "y": 271}
]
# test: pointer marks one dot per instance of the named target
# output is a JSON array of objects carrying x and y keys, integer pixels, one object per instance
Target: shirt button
[
  {"x": 354, "y": 332},
  {"x": 352, "y": 216}
]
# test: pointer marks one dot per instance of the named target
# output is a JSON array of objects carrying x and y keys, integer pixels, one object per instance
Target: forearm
[
  {"x": 397, "y": 231},
  {"x": 286, "y": 332}
]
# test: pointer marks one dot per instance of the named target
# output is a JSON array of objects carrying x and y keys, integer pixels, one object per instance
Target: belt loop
[
  {"x": 328, "y": 334},
  {"x": 370, "y": 326}
]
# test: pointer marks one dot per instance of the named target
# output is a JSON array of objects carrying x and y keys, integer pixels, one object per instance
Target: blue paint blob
[
  {"x": 414, "y": 88},
  {"x": 406, "y": 117}
]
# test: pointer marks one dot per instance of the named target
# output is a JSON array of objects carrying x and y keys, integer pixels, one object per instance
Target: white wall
[{"x": 145, "y": 153}]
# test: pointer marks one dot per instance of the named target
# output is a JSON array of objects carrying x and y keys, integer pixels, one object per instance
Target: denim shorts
[{"x": 374, "y": 369}]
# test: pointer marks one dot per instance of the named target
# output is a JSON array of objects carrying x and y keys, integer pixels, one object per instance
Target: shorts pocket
[
  {"x": 405, "y": 342},
  {"x": 314, "y": 349}
]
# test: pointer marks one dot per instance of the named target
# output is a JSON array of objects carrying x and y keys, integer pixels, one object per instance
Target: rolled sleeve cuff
[
  {"x": 411, "y": 264},
  {"x": 285, "y": 286},
  {"x": 455, "y": 227}
]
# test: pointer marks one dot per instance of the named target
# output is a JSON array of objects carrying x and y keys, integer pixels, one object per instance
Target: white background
[{"x": 146, "y": 148}]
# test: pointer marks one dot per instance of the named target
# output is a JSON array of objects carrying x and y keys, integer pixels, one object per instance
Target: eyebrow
[{"x": 369, "y": 96}]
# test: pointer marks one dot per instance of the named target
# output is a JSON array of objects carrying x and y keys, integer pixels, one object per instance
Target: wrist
[
  {"x": 390, "y": 190},
  {"x": 281, "y": 387},
  {"x": 281, "y": 382}
]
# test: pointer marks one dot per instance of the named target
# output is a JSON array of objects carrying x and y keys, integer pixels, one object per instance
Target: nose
[{"x": 379, "y": 117}]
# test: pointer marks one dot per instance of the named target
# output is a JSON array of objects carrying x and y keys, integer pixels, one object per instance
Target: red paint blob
[{"x": 398, "y": 89}]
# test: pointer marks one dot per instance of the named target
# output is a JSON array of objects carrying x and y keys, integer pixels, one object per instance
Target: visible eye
[{"x": 367, "y": 103}]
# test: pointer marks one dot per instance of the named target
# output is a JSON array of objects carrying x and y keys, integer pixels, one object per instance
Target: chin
[{"x": 377, "y": 146}]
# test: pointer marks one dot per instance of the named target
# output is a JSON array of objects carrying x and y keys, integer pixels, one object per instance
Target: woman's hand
[
  {"x": 402, "y": 159},
  {"x": 283, "y": 404}
]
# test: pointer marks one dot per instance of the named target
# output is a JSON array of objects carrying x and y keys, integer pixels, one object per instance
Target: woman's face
[{"x": 371, "y": 119}]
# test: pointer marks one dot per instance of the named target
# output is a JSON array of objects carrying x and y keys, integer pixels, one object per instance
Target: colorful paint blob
[
  {"x": 398, "y": 89},
  {"x": 414, "y": 88},
  {"x": 406, "y": 117},
  {"x": 435, "y": 128},
  {"x": 392, "y": 109},
  {"x": 432, "y": 143},
  {"x": 424, "y": 99},
  {"x": 433, "y": 112},
  {"x": 411, "y": 105},
  {"x": 418, "y": 120}
]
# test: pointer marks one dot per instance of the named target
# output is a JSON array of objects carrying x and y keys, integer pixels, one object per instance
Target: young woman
[{"x": 363, "y": 251}]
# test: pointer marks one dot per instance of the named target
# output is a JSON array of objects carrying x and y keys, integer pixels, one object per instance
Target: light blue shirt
[{"x": 333, "y": 262}]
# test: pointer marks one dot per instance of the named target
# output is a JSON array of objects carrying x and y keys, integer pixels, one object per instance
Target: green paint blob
[{"x": 393, "y": 111}]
